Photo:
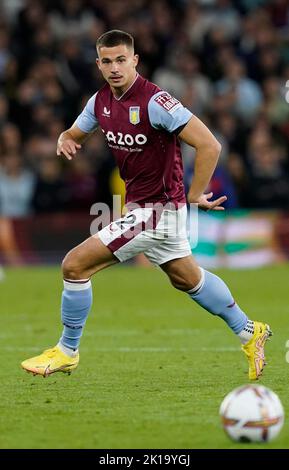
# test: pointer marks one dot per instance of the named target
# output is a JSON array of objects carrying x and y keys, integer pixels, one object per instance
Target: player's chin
[{"x": 117, "y": 83}]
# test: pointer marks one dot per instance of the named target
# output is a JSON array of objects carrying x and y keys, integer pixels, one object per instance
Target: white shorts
[{"x": 160, "y": 234}]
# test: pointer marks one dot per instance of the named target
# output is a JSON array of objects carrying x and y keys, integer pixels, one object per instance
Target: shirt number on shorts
[{"x": 123, "y": 223}]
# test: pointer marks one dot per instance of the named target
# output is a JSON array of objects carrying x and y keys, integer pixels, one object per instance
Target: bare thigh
[
  {"x": 87, "y": 259},
  {"x": 184, "y": 273}
]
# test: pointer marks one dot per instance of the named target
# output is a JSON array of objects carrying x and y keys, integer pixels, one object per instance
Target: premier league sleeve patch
[
  {"x": 134, "y": 114},
  {"x": 168, "y": 102}
]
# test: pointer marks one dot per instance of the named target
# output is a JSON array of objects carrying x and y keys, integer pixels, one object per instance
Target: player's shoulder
[
  {"x": 149, "y": 88},
  {"x": 158, "y": 94},
  {"x": 103, "y": 91},
  {"x": 165, "y": 100}
]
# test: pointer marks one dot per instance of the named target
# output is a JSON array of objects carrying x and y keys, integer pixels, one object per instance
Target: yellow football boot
[
  {"x": 50, "y": 361},
  {"x": 254, "y": 349}
]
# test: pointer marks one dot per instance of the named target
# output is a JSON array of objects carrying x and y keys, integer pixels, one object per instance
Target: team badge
[
  {"x": 134, "y": 117},
  {"x": 168, "y": 102}
]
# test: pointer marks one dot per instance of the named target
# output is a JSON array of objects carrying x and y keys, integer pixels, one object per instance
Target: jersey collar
[{"x": 130, "y": 89}]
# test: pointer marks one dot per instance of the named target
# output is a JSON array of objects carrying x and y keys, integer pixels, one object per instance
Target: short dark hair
[{"x": 114, "y": 38}]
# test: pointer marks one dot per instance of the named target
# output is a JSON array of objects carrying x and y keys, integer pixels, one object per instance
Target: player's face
[{"x": 117, "y": 65}]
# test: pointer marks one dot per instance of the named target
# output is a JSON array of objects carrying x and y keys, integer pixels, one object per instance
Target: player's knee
[
  {"x": 181, "y": 284},
  {"x": 70, "y": 268}
]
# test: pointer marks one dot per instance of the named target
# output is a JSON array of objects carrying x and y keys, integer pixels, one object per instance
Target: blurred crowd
[{"x": 227, "y": 61}]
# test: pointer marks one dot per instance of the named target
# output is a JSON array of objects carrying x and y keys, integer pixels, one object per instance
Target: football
[{"x": 252, "y": 413}]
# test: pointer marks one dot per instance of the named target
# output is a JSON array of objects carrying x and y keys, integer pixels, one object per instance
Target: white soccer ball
[{"x": 252, "y": 413}]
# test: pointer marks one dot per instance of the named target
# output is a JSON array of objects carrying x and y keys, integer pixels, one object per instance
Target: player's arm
[
  {"x": 166, "y": 112},
  {"x": 196, "y": 134},
  {"x": 69, "y": 141}
]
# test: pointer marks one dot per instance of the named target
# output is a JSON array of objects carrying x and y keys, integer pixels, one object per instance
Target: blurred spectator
[
  {"x": 269, "y": 180},
  {"x": 247, "y": 93},
  {"x": 50, "y": 192},
  {"x": 275, "y": 106},
  {"x": 70, "y": 19},
  {"x": 4, "y": 110},
  {"x": 196, "y": 24},
  {"x": 240, "y": 179},
  {"x": 228, "y": 61},
  {"x": 186, "y": 82},
  {"x": 82, "y": 184},
  {"x": 10, "y": 138},
  {"x": 231, "y": 134},
  {"x": 5, "y": 54},
  {"x": 16, "y": 187}
]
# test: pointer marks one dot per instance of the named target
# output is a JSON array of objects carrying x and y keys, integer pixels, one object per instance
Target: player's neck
[{"x": 119, "y": 92}]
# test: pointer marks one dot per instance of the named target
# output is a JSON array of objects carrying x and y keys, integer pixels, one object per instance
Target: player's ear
[
  {"x": 97, "y": 61},
  {"x": 136, "y": 59}
]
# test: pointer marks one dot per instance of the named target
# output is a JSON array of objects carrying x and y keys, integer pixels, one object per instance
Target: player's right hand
[
  {"x": 68, "y": 148},
  {"x": 205, "y": 205}
]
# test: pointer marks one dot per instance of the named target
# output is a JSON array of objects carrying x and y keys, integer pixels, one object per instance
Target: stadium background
[{"x": 228, "y": 62}]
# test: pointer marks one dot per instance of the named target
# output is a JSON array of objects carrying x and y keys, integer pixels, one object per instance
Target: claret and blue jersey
[{"x": 141, "y": 128}]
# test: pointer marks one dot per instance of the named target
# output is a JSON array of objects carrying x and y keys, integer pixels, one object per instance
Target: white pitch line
[
  {"x": 130, "y": 350},
  {"x": 109, "y": 333},
  {"x": 163, "y": 332},
  {"x": 156, "y": 349}
]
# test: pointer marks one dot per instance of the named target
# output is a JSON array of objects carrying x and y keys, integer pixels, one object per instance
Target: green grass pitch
[{"x": 154, "y": 367}]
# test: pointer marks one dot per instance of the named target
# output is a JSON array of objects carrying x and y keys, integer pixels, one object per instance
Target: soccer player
[{"x": 142, "y": 125}]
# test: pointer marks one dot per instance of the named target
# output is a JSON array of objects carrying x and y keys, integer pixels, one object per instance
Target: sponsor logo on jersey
[
  {"x": 168, "y": 102},
  {"x": 106, "y": 112},
  {"x": 125, "y": 140},
  {"x": 134, "y": 117}
]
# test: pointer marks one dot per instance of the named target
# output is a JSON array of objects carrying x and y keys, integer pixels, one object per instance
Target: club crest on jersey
[{"x": 134, "y": 114}]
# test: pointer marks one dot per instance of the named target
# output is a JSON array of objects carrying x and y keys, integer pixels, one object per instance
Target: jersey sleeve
[
  {"x": 166, "y": 112},
  {"x": 86, "y": 121}
]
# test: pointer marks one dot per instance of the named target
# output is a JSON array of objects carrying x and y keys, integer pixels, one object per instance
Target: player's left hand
[{"x": 206, "y": 205}]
